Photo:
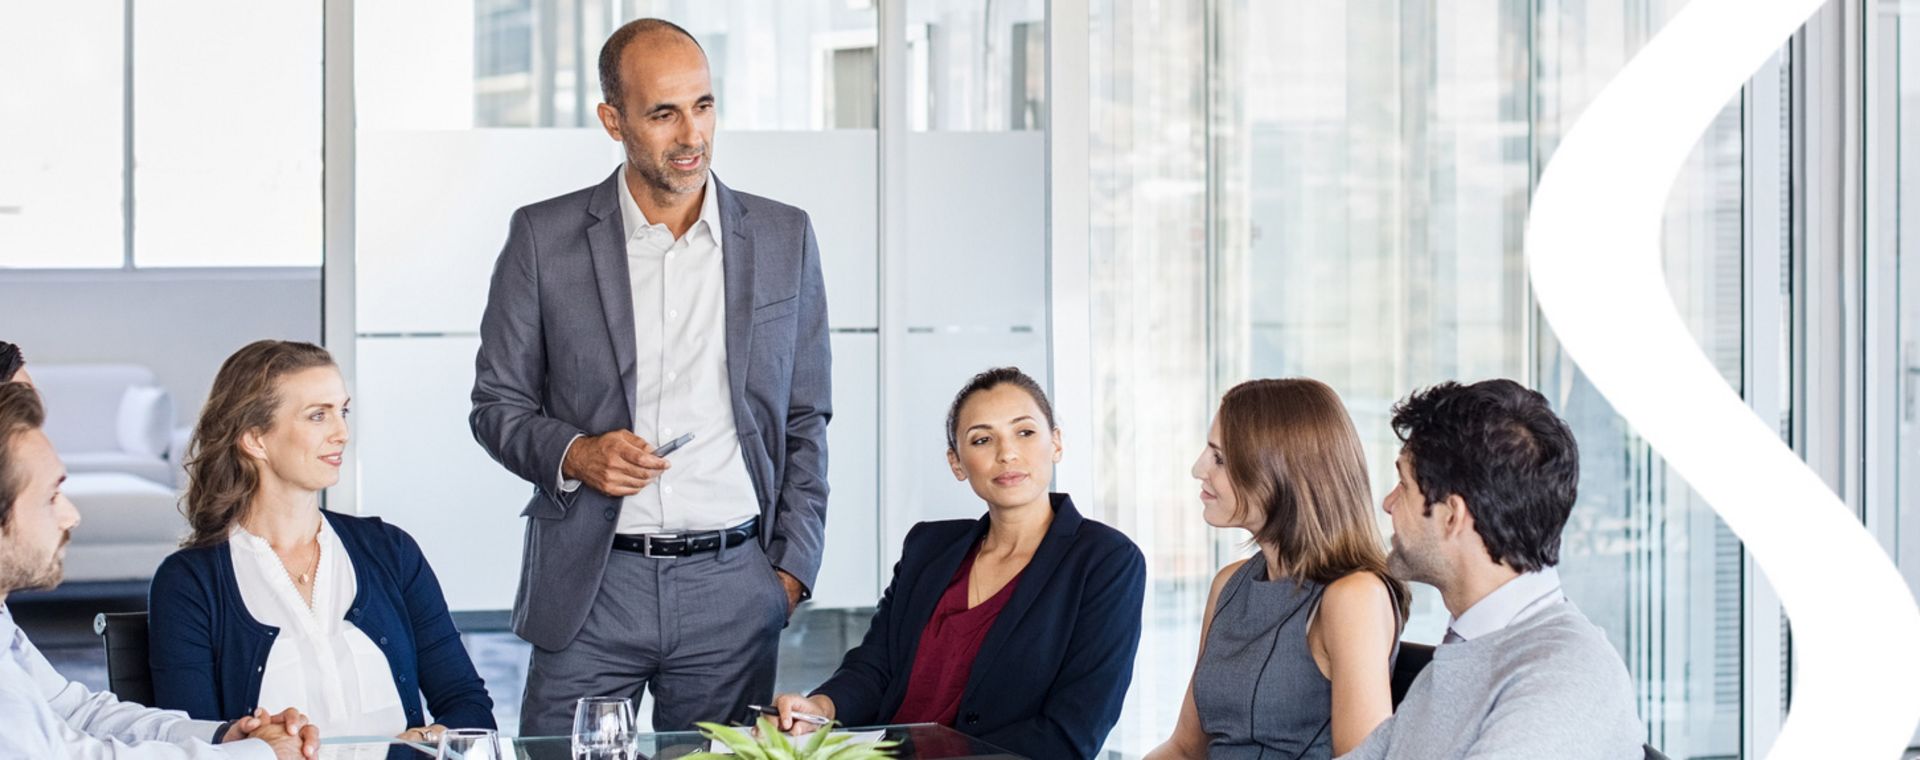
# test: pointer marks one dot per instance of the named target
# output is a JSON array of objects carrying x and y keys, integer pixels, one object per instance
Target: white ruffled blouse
[{"x": 319, "y": 664}]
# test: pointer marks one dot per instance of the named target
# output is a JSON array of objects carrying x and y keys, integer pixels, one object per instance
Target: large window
[
  {"x": 1340, "y": 192},
  {"x": 211, "y": 109}
]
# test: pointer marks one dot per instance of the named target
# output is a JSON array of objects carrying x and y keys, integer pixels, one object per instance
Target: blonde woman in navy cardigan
[{"x": 276, "y": 603}]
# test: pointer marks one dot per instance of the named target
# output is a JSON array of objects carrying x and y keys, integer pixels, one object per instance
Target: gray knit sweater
[{"x": 1549, "y": 686}]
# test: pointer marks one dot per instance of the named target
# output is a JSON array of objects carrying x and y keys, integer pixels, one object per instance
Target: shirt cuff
[
  {"x": 248, "y": 749},
  {"x": 566, "y": 485},
  {"x": 208, "y": 731}
]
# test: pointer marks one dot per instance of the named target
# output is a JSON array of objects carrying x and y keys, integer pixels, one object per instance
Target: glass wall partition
[
  {"x": 1644, "y": 556},
  {"x": 1148, "y": 287},
  {"x": 1340, "y": 191}
]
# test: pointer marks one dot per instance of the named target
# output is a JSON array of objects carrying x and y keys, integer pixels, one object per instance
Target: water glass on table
[
  {"x": 603, "y": 729},
  {"x": 470, "y": 744}
]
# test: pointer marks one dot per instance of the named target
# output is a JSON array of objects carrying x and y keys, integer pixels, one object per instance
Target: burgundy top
[{"x": 947, "y": 647}]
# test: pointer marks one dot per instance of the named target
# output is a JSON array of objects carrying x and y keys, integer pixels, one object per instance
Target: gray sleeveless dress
[{"x": 1258, "y": 691}]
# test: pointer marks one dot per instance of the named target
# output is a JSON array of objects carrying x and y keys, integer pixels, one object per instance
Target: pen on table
[{"x": 775, "y": 712}]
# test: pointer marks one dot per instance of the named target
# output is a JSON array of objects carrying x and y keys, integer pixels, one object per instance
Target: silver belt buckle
[{"x": 646, "y": 542}]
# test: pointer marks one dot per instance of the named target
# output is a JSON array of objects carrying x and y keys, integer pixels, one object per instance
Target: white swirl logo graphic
[{"x": 1593, "y": 248}]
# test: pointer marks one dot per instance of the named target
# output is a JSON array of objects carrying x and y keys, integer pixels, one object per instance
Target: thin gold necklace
[{"x": 301, "y": 579}]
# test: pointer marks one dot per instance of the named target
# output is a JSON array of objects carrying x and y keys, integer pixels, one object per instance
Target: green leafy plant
[{"x": 773, "y": 744}]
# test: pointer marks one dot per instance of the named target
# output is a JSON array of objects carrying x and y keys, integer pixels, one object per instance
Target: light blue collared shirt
[
  {"x": 44, "y": 715},
  {"x": 1513, "y": 601}
]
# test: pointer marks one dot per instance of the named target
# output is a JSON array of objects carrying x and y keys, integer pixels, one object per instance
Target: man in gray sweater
[{"x": 1487, "y": 477}]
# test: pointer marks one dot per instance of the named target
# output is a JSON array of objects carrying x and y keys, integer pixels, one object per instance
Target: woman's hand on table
[
  {"x": 426, "y": 734},
  {"x": 791, "y": 704}
]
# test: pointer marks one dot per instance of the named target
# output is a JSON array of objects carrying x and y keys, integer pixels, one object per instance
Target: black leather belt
[{"x": 685, "y": 544}]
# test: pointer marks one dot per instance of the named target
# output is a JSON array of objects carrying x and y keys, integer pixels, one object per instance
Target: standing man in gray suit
[{"x": 656, "y": 304}]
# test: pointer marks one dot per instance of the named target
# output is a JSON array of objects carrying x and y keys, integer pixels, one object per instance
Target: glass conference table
[{"x": 922, "y": 740}]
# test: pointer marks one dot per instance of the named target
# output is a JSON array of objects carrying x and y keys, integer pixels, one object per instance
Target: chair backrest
[
  {"x": 125, "y": 634},
  {"x": 1413, "y": 659},
  {"x": 1653, "y": 754}
]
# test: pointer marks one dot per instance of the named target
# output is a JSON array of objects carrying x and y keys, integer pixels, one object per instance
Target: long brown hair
[
  {"x": 1291, "y": 448},
  {"x": 221, "y": 478}
]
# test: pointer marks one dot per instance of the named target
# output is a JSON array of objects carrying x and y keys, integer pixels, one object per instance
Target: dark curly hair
[
  {"x": 11, "y": 360},
  {"x": 1497, "y": 445}
]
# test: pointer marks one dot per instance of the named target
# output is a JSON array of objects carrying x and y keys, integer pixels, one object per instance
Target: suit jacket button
[
  {"x": 611, "y": 513},
  {"x": 973, "y": 717}
]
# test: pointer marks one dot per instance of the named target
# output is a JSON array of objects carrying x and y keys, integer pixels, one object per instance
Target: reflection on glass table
[{"x": 921, "y": 740}]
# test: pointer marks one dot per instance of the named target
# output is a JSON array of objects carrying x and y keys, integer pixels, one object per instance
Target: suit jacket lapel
[
  {"x": 736, "y": 256},
  {"x": 1033, "y": 580},
  {"x": 607, "y": 239}
]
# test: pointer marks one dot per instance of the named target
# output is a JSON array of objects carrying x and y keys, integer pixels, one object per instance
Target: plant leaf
[{"x": 816, "y": 742}]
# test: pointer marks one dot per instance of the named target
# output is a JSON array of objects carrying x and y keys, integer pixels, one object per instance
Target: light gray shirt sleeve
[{"x": 45, "y": 715}]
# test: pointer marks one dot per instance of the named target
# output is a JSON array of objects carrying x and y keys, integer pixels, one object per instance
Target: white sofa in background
[
  {"x": 109, "y": 418},
  {"x": 113, "y": 427},
  {"x": 127, "y": 526}
]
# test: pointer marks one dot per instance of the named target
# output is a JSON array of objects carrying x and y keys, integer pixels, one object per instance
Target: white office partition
[
  {"x": 974, "y": 297},
  {"x": 832, "y": 176},
  {"x": 976, "y": 225},
  {"x": 420, "y": 468},
  {"x": 850, "y": 572},
  {"x": 432, "y": 214},
  {"x": 433, "y": 210}
]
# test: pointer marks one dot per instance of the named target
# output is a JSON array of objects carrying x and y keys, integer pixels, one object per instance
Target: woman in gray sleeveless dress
[{"x": 1296, "y": 656}]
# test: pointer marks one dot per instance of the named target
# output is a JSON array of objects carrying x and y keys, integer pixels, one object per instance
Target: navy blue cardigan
[
  {"x": 208, "y": 654},
  {"x": 1053, "y": 670}
]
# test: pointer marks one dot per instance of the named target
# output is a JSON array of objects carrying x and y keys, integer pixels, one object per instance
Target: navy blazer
[
  {"x": 1053, "y": 670},
  {"x": 208, "y": 654}
]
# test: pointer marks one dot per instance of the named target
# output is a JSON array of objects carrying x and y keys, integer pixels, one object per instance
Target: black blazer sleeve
[
  {"x": 859, "y": 686},
  {"x": 1083, "y": 702}
]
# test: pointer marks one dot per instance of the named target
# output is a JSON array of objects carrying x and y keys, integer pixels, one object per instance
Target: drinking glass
[
  {"x": 603, "y": 729},
  {"x": 470, "y": 744}
]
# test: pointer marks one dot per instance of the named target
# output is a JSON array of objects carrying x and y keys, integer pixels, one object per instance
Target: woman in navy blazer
[
  {"x": 1018, "y": 628},
  {"x": 362, "y": 627}
]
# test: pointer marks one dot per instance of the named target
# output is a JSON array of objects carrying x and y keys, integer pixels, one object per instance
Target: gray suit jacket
[{"x": 557, "y": 359}]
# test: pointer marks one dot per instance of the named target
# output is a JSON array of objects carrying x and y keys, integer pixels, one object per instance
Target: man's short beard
[
  {"x": 656, "y": 174},
  {"x": 20, "y": 576},
  {"x": 1404, "y": 566}
]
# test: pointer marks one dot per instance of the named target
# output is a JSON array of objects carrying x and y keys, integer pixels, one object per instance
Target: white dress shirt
[
  {"x": 44, "y": 715},
  {"x": 1513, "y": 601},
  {"x": 320, "y": 664},
  {"x": 680, "y": 375}
]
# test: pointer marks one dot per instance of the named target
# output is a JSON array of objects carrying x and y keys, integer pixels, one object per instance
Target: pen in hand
[{"x": 775, "y": 712}]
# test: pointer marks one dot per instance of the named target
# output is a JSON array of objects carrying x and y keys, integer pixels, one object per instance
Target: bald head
[{"x": 646, "y": 31}]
